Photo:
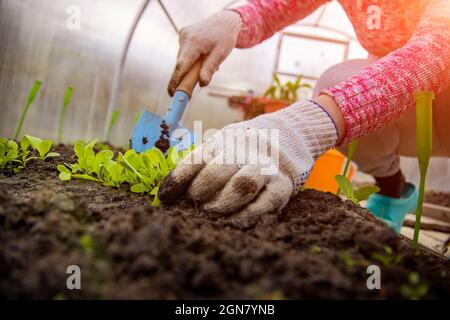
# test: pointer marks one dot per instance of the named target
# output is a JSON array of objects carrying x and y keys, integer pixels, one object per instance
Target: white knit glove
[
  {"x": 213, "y": 38},
  {"x": 258, "y": 171}
]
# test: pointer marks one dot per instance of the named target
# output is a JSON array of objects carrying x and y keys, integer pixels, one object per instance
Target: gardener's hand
[
  {"x": 213, "y": 38},
  {"x": 253, "y": 167}
]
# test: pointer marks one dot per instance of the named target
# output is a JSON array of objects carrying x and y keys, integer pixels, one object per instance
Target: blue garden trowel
[{"x": 165, "y": 132}]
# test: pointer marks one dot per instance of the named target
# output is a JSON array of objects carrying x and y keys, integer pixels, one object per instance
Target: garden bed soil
[{"x": 317, "y": 247}]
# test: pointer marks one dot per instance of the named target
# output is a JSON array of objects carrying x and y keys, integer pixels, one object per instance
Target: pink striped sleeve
[
  {"x": 262, "y": 18},
  {"x": 384, "y": 91}
]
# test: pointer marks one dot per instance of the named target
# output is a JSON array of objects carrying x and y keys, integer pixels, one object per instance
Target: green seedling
[
  {"x": 42, "y": 147},
  {"x": 9, "y": 155},
  {"x": 355, "y": 196},
  {"x": 387, "y": 258},
  {"x": 67, "y": 97},
  {"x": 15, "y": 157},
  {"x": 414, "y": 289},
  {"x": 285, "y": 91},
  {"x": 315, "y": 249},
  {"x": 350, "y": 152},
  {"x": 87, "y": 244},
  {"x": 31, "y": 96},
  {"x": 143, "y": 172},
  {"x": 112, "y": 122},
  {"x": 424, "y": 135}
]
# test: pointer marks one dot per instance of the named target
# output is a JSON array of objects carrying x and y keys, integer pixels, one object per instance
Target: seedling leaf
[
  {"x": 364, "y": 192},
  {"x": 346, "y": 187},
  {"x": 32, "y": 95}
]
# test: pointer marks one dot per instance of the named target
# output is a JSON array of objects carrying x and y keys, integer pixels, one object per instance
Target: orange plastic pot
[
  {"x": 325, "y": 169},
  {"x": 272, "y": 105}
]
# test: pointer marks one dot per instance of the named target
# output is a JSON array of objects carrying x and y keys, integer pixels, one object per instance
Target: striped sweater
[{"x": 413, "y": 39}]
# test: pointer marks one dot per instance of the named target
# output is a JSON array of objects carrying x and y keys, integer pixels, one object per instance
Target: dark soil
[{"x": 317, "y": 247}]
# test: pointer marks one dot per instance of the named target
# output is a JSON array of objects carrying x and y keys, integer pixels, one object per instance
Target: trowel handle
[
  {"x": 183, "y": 94},
  {"x": 190, "y": 80}
]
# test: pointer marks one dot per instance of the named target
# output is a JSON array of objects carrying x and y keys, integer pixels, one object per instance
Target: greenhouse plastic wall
[{"x": 36, "y": 43}]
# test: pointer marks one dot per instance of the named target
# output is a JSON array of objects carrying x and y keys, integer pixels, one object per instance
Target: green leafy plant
[
  {"x": 414, "y": 289},
  {"x": 143, "y": 172},
  {"x": 9, "y": 155},
  {"x": 287, "y": 91},
  {"x": 387, "y": 258},
  {"x": 31, "y": 96},
  {"x": 112, "y": 122},
  {"x": 15, "y": 157},
  {"x": 350, "y": 262},
  {"x": 43, "y": 147},
  {"x": 67, "y": 97},
  {"x": 424, "y": 135},
  {"x": 351, "y": 149},
  {"x": 353, "y": 195},
  {"x": 87, "y": 244}
]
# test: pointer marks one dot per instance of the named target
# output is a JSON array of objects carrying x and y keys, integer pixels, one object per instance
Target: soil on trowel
[{"x": 317, "y": 247}]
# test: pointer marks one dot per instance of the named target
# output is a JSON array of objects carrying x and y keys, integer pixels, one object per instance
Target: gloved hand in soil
[
  {"x": 213, "y": 38},
  {"x": 253, "y": 167}
]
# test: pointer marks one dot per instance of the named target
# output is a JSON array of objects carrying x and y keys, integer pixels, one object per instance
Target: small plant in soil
[
  {"x": 355, "y": 196},
  {"x": 414, "y": 289},
  {"x": 387, "y": 258},
  {"x": 67, "y": 97},
  {"x": 15, "y": 157},
  {"x": 112, "y": 122},
  {"x": 143, "y": 172},
  {"x": 345, "y": 186},
  {"x": 43, "y": 147},
  {"x": 31, "y": 96}
]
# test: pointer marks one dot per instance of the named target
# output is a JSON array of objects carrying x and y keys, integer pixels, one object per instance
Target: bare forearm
[{"x": 335, "y": 113}]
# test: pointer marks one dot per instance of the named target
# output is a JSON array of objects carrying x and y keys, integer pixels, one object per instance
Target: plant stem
[
  {"x": 350, "y": 152},
  {"x": 31, "y": 96},
  {"x": 112, "y": 122},
  {"x": 67, "y": 97}
]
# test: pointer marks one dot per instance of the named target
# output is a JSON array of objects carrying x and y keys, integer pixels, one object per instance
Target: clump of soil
[
  {"x": 163, "y": 143},
  {"x": 317, "y": 247}
]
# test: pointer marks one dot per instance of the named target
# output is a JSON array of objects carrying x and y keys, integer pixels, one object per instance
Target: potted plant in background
[{"x": 278, "y": 96}]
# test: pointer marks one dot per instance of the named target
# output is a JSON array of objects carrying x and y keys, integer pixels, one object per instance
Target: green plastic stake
[
  {"x": 424, "y": 140},
  {"x": 67, "y": 97},
  {"x": 112, "y": 122},
  {"x": 31, "y": 96},
  {"x": 350, "y": 152}
]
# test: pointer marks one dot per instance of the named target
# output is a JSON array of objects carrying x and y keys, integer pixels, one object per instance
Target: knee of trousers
[
  {"x": 340, "y": 72},
  {"x": 376, "y": 154}
]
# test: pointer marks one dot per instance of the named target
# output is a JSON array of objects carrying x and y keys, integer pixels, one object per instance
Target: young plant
[
  {"x": 350, "y": 152},
  {"x": 414, "y": 289},
  {"x": 9, "y": 154},
  {"x": 31, "y": 96},
  {"x": 387, "y": 258},
  {"x": 15, "y": 157},
  {"x": 42, "y": 147},
  {"x": 424, "y": 130},
  {"x": 285, "y": 91},
  {"x": 67, "y": 97},
  {"x": 143, "y": 172},
  {"x": 355, "y": 196},
  {"x": 112, "y": 122}
]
